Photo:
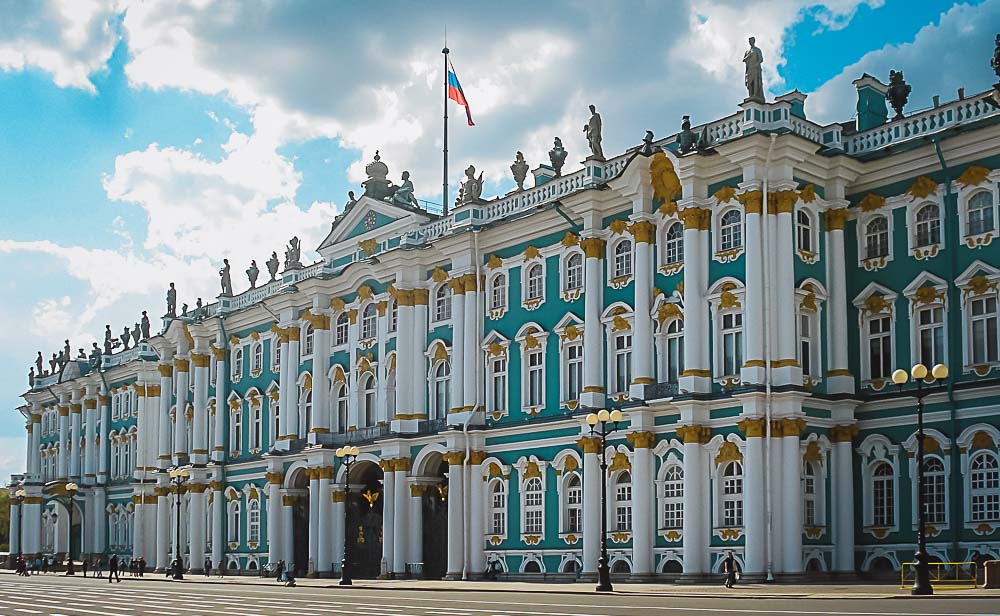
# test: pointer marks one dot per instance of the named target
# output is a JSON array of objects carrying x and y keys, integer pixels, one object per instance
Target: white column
[
  {"x": 404, "y": 351},
  {"x": 788, "y": 370},
  {"x": 456, "y": 501},
  {"x": 34, "y": 457},
  {"x": 218, "y": 515},
  {"x": 472, "y": 359},
  {"x": 644, "y": 512},
  {"x": 843, "y": 498},
  {"x": 102, "y": 452},
  {"x": 63, "y": 466},
  {"x": 593, "y": 393},
  {"x": 310, "y": 567},
  {"x": 288, "y": 531},
  {"x": 839, "y": 378},
  {"x": 457, "y": 344},
  {"x": 320, "y": 378},
  {"x": 697, "y": 375},
  {"x": 181, "y": 369},
  {"x": 477, "y": 515},
  {"x": 15, "y": 529},
  {"x": 754, "y": 522},
  {"x": 221, "y": 417},
  {"x": 292, "y": 393},
  {"x": 199, "y": 431},
  {"x": 591, "y": 503},
  {"x": 419, "y": 362},
  {"x": 401, "y": 512},
  {"x": 163, "y": 434},
  {"x": 29, "y": 451},
  {"x": 196, "y": 525},
  {"x": 415, "y": 549},
  {"x": 791, "y": 489},
  {"x": 100, "y": 524},
  {"x": 148, "y": 425},
  {"x": 285, "y": 384},
  {"x": 697, "y": 517},
  {"x": 774, "y": 468},
  {"x": 388, "y": 513},
  {"x": 162, "y": 562},
  {"x": 90, "y": 437},
  {"x": 753, "y": 367},
  {"x": 355, "y": 396},
  {"x": 339, "y": 505},
  {"x": 324, "y": 552},
  {"x": 274, "y": 547},
  {"x": 76, "y": 432},
  {"x": 642, "y": 339},
  {"x": 31, "y": 521}
]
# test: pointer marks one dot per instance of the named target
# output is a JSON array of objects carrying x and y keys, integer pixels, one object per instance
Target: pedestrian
[
  {"x": 99, "y": 568},
  {"x": 729, "y": 568},
  {"x": 113, "y": 569},
  {"x": 279, "y": 571},
  {"x": 208, "y": 567},
  {"x": 45, "y": 564},
  {"x": 222, "y": 569},
  {"x": 83, "y": 565},
  {"x": 142, "y": 566},
  {"x": 38, "y": 564},
  {"x": 289, "y": 578}
]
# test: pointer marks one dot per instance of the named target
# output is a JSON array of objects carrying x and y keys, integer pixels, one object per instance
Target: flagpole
[{"x": 444, "y": 181}]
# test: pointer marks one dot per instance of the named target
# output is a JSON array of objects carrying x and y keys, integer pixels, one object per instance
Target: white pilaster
[
  {"x": 697, "y": 375},
  {"x": 593, "y": 393},
  {"x": 472, "y": 359},
  {"x": 221, "y": 408},
  {"x": 324, "y": 552},
  {"x": 182, "y": 372},
  {"x": 642, "y": 340},
  {"x": 477, "y": 515},
  {"x": 644, "y": 512},
  {"x": 310, "y": 567},
  {"x": 63, "y": 461},
  {"x": 417, "y": 359},
  {"x": 697, "y": 528},
  {"x": 456, "y": 501},
  {"x": 753, "y": 368},
  {"x": 76, "y": 432},
  {"x": 401, "y": 512},
  {"x": 163, "y": 435},
  {"x": 787, "y": 370},
  {"x": 274, "y": 536},
  {"x": 320, "y": 377},
  {"x": 196, "y": 526},
  {"x": 415, "y": 548},
  {"x": 199, "y": 430},
  {"x": 102, "y": 460},
  {"x": 754, "y": 522},
  {"x": 458, "y": 346},
  {"x": 218, "y": 515},
  {"x": 791, "y": 497},
  {"x": 591, "y": 504},
  {"x": 839, "y": 378},
  {"x": 291, "y": 412},
  {"x": 339, "y": 505},
  {"x": 284, "y": 386},
  {"x": 843, "y": 499},
  {"x": 388, "y": 514},
  {"x": 163, "y": 496}
]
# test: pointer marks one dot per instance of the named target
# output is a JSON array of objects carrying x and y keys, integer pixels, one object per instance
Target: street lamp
[
  {"x": 919, "y": 372},
  {"x": 603, "y": 417},
  {"x": 19, "y": 497},
  {"x": 349, "y": 454},
  {"x": 178, "y": 477}
]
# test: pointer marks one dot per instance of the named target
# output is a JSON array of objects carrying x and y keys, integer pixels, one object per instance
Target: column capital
[
  {"x": 63, "y": 410},
  {"x": 274, "y": 478},
  {"x": 641, "y": 440},
  {"x": 181, "y": 365},
  {"x": 694, "y": 434},
  {"x": 90, "y": 403},
  {"x": 476, "y": 458},
  {"x": 103, "y": 400},
  {"x": 417, "y": 489},
  {"x": 644, "y": 232},
  {"x": 833, "y": 220},
  {"x": 454, "y": 458},
  {"x": 318, "y": 321},
  {"x": 338, "y": 496},
  {"x": 589, "y": 444},
  {"x": 844, "y": 433},
  {"x": 752, "y": 427},
  {"x": 420, "y": 297},
  {"x": 201, "y": 360},
  {"x": 76, "y": 408},
  {"x": 166, "y": 370},
  {"x": 696, "y": 218},
  {"x": 593, "y": 247},
  {"x": 793, "y": 427},
  {"x": 781, "y": 201},
  {"x": 215, "y": 486},
  {"x": 752, "y": 201}
]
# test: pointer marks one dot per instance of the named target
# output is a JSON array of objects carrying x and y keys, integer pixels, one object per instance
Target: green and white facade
[{"x": 743, "y": 305}]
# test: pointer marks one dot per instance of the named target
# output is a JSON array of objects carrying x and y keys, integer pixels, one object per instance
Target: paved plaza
[{"x": 62, "y": 596}]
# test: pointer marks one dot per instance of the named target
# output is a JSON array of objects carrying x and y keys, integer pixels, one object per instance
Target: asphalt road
[{"x": 62, "y": 596}]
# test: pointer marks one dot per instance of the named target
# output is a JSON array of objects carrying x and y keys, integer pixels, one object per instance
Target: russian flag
[{"x": 456, "y": 94}]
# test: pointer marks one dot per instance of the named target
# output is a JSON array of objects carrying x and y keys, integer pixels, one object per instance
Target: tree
[{"x": 4, "y": 520}]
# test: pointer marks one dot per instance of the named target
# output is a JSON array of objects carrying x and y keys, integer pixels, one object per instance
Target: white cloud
[{"x": 12, "y": 450}]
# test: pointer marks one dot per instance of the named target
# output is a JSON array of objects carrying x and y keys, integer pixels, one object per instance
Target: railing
[
  {"x": 725, "y": 129},
  {"x": 432, "y": 426},
  {"x": 252, "y": 296},
  {"x": 944, "y": 576},
  {"x": 123, "y": 357},
  {"x": 658, "y": 391},
  {"x": 42, "y": 382},
  {"x": 368, "y": 433}
]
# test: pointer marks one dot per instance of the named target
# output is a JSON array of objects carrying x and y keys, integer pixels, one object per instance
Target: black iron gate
[{"x": 435, "y": 531}]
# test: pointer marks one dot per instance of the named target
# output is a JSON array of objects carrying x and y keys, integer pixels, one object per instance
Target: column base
[
  {"x": 841, "y": 384},
  {"x": 787, "y": 375},
  {"x": 695, "y": 384},
  {"x": 592, "y": 399},
  {"x": 452, "y": 577},
  {"x": 752, "y": 375}
]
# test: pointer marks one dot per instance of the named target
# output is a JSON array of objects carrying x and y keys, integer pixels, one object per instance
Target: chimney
[
  {"x": 937, "y": 101},
  {"x": 961, "y": 94},
  {"x": 872, "y": 111}
]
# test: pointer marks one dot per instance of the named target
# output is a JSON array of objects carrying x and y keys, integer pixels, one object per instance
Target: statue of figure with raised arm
[
  {"x": 593, "y": 132},
  {"x": 293, "y": 253},
  {"x": 754, "y": 59},
  {"x": 472, "y": 187}
]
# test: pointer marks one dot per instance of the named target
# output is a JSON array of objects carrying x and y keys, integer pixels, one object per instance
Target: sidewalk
[{"x": 835, "y": 591}]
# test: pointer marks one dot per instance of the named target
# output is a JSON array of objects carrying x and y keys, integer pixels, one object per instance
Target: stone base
[
  {"x": 698, "y": 578},
  {"x": 643, "y": 578},
  {"x": 752, "y": 578}
]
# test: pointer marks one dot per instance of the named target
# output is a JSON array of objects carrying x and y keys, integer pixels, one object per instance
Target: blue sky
[{"x": 140, "y": 143}]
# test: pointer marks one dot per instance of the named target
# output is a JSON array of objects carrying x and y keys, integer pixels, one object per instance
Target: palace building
[{"x": 742, "y": 291}]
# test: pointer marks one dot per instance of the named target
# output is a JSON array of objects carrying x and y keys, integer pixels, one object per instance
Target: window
[
  {"x": 274, "y": 409},
  {"x": 732, "y": 343},
  {"x": 390, "y": 395},
  {"x": 984, "y": 330},
  {"x": 442, "y": 303},
  {"x": 574, "y": 272},
  {"x": 498, "y": 508},
  {"x": 732, "y": 495},
  {"x": 674, "y": 354},
  {"x": 809, "y": 494},
  {"x": 305, "y": 411},
  {"x": 237, "y": 363},
  {"x": 877, "y": 238},
  {"x": 275, "y": 355},
  {"x": 236, "y": 430},
  {"x": 369, "y": 322},
  {"x": 253, "y": 521},
  {"x": 981, "y": 213},
  {"x": 930, "y": 330},
  {"x": 257, "y": 363},
  {"x": 309, "y": 335},
  {"x": 368, "y": 399},
  {"x": 233, "y": 534},
  {"x": 498, "y": 292},
  {"x": 804, "y": 231},
  {"x": 534, "y": 282},
  {"x": 574, "y": 370},
  {"x": 574, "y": 504},
  {"x": 535, "y": 377},
  {"x": 806, "y": 344},
  {"x": 340, "y": 395},
  {"x": 393, "y": 315},
  {"x": 533, "y": 511},
  {"x": 623, "y": 259},
  {"x": 883, "y": 498},
  {"x": 880, "y": 347},
  {"x": 340, "y": 332},
  {"x": 623, "y": 362},
  {"x": 256, "y": 427},
  {"x": 498, "y": 393},
  {"x": 673, "y": 246},
  {"x": 985, "y": 488},
  {"x": 928, "y": 225},
  {"x": 731, "y": 230},
  {"x": 934, "y": 495},
  {"x": 442, "y": 385},
  {"x": 673, "y": 498},
  {"x": 623, "y": 502}
]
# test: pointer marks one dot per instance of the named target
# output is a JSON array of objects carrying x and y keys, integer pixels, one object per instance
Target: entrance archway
[
  {"x": 434, "y": 504},
  {"x": 298, "y": 486},
  {"x": 364, "y": 519}
]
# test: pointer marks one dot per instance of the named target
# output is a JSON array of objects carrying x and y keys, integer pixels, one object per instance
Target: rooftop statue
[
  {"x": 31, "y": 377},
  {"x": 351, "y": 199},
  {"x": 520, "y": 170},
  {"x": 198, "y": 308},
  {"x": 272, "y": 266},
  {"x": 754, "y": 80},
  {"x": 593, "y": 131},
  {"x": 52, "y": 363},
  {"x": 472, "y": 187},
  {"x": 38, "y": 363},
  {"x": 109, "y": 344},
  {"x": 184, "y": 310},
  {"x": 80, "y": 354},
  {"x": 60, "y": 359},
  {"x": 557, "y": 156},
  {"x": 377, "y": 186},
  {"x": 403, "y": 194},
  {"x": 136, "y": 334},
  {"x": 145, "y": 325},
  {"x": 226, "y": 279},
  {"x": 293, "y": 254},
  {"x": 95, "y": 354},
  {"x": 687, "y": 137},
  {"x": 67, "y": 351},
  {"x": 171, "y": 301},
  {"x": 646, "y": 149},
  {"x": 252, "y": 272},
  {"x": 995, "y": 62},
  {"x": 898, "y": 93},
  {"x": 125, "y": 337}
]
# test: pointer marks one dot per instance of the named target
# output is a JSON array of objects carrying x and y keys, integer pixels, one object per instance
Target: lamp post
[
  {"x": 178, "y": 477},
  {"x": 919, "y": 372},
  {"x": 603, "y": 417},
  {"x": 71, "y": 489},
  {"x": 348, "y": 454},
  {"x": 19, "y": 497}
]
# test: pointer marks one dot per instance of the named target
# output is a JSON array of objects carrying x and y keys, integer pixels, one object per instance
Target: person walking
[
  {"x": 208, "y": 567},
  {"x": 279, "y": 571},
  {"x": 222, "y": 569},
  {"x": 98, "y": 568},
  {"x": 113, "y": 569},
  {"x": 83, "y": 565},
  {"x": 729, "y": 568},
  {"x": 45, "y": 564}
]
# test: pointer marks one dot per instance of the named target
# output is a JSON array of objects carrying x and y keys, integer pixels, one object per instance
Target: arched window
[
  {"x": 534, "y": 282},
  {"x": 343, "y": 324},
  {"x": 731, "y": 230},
  {"x": 623, "y": 259},
  {"x": 930, "y": 335},
  {"x": 984, "y": 330},
  {"x": 732, "y": 343},
  {"x": 369, "y": 322},
  {"x": 305, "y": 411},
  {"x": 257, "y": 363},
  {"x": 236, "y": 430},
  {"x": 574, "y": 272},
  {"x": 256, "y": 427},
  {"x": 934, "y": 496},
  {"x": 237, "y": 369},
  {"x": 233, "y": 526},
  {"x": 533, "y": 506},
  {"x": 883, "y": 496},
  {"x": 275, "y": 412},
  {"x": 498, "y": 507},
  {"x": 442, "y": 385},
  {"x": 674, "y": 350},
  {"x": 393, "y": 315},
  {"x": 623, "y": 502},
  {"x": 253, "y": 521},
  {"x": 732, "y": 495},
  {"x": 574, "y": 504},
  {"x": 809, "y": 484},
  {"x": 498, "y": 292},
  {"x": 115, "y": 459},
  {"x": 806, "y": 343},
  {"x": 928, "y": 225},
  {"x": 984, "y": 483},
  {"x": 340, "y": 397},
  {"x": 623, "y": 362},
  {"x": 275, "y": 355},
  {"x": 390, "y": 395},
  {"x": 804, "y": 230},
  {"x": 877, "y": 238},
  {"x": 442, "y": 303},
  {"x": 673, "y": 497},
  {"x": 126, "y": 455},
  {"x": 673, "y": 245},
  {"x": 308, "y": 336},
  {"x": 368, "y": 399},
  {"x": 981, "y": 213}
]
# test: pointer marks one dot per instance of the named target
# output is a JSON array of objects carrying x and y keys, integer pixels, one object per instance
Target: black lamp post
[
  {"x": 919, "y": 372},
  {"x": 178, "y": 477},
  {"x": 67, "y": 501},
  {"x": 19, "y": 497},
  {"x": 349, "y": 454},
  {"x": 603, "y": 417}
]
